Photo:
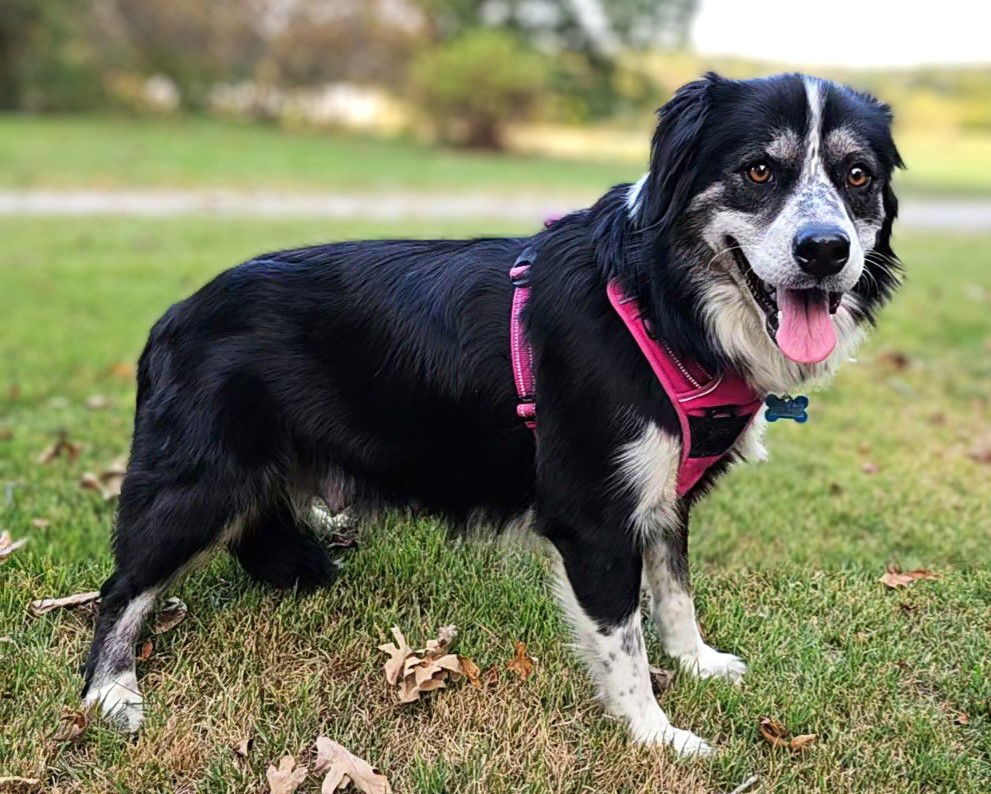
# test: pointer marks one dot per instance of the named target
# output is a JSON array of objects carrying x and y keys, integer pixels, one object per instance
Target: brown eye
[
  {"x": 759, "y": 173},
  {"x": 857, "y": 177}
]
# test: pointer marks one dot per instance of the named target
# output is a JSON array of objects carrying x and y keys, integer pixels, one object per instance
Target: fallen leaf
[
  {"x": 97, "y": 402},
  {"x": 40, "y": 523},
  {"x": 471, "y": 671},
  {"x": 980, "y": 454},
  {"x": 521, "y": 663},
  {"x": 6, "y": 434},
  {"x": 8, "y": 545},
  {"x": 937, "y": 419},
  {"x": 425, "y": 670},
  {"x": 958, "y": 717},
  {"x": 147, "y": 649},
  {"x": 46, "y": 605},
  {"x": 285, "y": 778},
  {"x": 60, "y": 446},
  {"x": 108, "y": 482},
  {"x": 73, "y": 724},
  {"x": 172, "y": 612},
  {"x": 660, "y": 680},
  {"x": 894, "y": 577},
  {"x": 864, "y": 448},
  {"x": 777, "y": 735},
  {"x": 344, "y": 768},
  {"x": 894, "y": 359},
  {"x": 869, "y": 468},
  {"x": 122, "y": 369},
  {"x": 243, "y": 747},
  {"x": 13, "y": 782}
]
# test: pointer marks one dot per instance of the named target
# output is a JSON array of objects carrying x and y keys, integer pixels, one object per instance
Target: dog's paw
[
  {"x": 710, "y": 663},
  {"x": 120, "y": 703},
  {"x": 685, "y": 743}
]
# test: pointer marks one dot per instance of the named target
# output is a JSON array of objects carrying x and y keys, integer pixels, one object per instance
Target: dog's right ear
[{"x": 673, "y": 152}]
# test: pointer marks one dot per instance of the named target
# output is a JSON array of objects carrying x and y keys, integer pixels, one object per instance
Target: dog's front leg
[
  {"x": 673, "y": 607},
  {"x": 600, "y": 592}
]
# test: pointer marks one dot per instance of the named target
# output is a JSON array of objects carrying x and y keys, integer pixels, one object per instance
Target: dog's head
[{"x": 770, "y": 205}]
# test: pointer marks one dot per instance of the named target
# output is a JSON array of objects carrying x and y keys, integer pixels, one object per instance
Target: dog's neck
[{"x": 716, "y": 323}]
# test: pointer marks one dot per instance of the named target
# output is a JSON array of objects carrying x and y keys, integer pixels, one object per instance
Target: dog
[{"x": 377, "y": 374}]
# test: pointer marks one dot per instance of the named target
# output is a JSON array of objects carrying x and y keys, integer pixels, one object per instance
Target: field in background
[
  {"x": 107, "y": 152},
  {"x": 786, "y": 555}
]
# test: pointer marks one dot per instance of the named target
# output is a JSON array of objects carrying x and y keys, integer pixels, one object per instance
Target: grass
[
  {"x": 786, "y": 557},
  {"x": 73, "y": 152}
]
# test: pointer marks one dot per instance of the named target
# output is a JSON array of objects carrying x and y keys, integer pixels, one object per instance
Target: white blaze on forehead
[{"x": 785, "y": 145}]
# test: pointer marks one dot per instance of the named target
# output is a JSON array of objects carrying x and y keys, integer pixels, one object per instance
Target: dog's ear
[{"x": 673, "y": 151}]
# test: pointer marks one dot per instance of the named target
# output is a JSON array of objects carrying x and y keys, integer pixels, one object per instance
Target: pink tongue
[{"x": 805, "y": 331}]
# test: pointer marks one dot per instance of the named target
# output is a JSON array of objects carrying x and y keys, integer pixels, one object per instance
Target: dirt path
[{"x": 972, "y": 215}]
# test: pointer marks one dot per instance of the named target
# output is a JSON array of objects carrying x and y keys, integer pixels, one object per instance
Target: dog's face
[{"x": 779, "y": 190}]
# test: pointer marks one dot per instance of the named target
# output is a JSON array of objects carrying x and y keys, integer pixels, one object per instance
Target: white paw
[
  {"x": 686, "y": 743},
  {"x": 710, "y": 663},
  {"x": 120, "y": 703}
]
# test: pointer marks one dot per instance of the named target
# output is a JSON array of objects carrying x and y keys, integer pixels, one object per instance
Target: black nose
[{"x": 821, "y": 251}]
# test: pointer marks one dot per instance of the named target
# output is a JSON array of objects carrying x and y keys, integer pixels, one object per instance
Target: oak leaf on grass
[
  {"x": 777, "y": 735},
  {"x": 419, "y": 671},
  {"x": 522, "y": 663},
  {"x": 286, "y": 777},
  {"x": 8, "y": 545},
  {"x": 895, "y": 577},
  {"x": 344, "y": 768}
]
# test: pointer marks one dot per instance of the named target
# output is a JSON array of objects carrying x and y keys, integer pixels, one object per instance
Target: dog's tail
[{"x": 277, "y": 547}]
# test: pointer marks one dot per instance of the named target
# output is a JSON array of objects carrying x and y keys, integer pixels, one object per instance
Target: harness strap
[
  {"x": 520, "y": 352},
  {"x": 712, "y": 411}
]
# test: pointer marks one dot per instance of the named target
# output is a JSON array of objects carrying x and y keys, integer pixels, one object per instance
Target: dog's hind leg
[
  {"x": 673, "y": 607},
  {"x": 599, "y": 589},
  {"x": 277, "y": 547},
  {"x": 164, "y": 523}
]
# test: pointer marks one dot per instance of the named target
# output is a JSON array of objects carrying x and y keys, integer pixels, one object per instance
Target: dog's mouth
[{"x": 798, "y": 320}]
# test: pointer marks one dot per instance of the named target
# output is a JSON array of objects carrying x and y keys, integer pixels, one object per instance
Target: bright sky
[{"x": 853, "y": 33}]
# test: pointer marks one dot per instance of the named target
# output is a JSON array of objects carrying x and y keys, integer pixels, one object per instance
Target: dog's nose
[{"x": 821, "y": 251}]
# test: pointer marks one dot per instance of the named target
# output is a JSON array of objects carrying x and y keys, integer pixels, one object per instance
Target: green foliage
[
  {"x": 47, "y": 61},
  {"x": 472, "y": 85}
]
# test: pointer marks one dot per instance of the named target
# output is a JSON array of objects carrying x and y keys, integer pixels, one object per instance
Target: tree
[{"x": 472, "y": 85}]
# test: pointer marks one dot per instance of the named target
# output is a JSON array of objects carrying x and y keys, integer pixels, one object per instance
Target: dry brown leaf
[
  {"x": 243, "y": 747},
  {"x": 122, "y": 369},
  {"x": 60, "y": 446},
  {"x": 521, "y": 663},
  {"x": 470, "y": 671},
  {"x": 777, "y": 735},
  {"x": 145, "y": 652},
  {"x": 15, "y": 783},
  {"x": 869, "y": 468},
  {"x": 398, "y": 653},
  {"x": 285, "y": 778},
  {"x": 344, "y": 768},
  {"x": 894, "y": 359},
  {"x": 97, "y": 402},
  {"x": 172, "y": 612},
  {"x": 6, "y": 434},
  {"x": 72, "y": 727},
  {"x": 660, "y": 680},
  {"x": 980, "y": 454},
  {"x": 416, "y": 672},
  {"x": 8, "y": 545},
  {"x": 40, "y": 523},
  {"x": 894, "y": 577},
  {"x": 108, "y": 482},
  {"x": 45, "y": 605}
]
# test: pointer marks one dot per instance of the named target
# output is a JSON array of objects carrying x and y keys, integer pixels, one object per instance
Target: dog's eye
[
  {"x": 858, "y": 177},
  {"x": 759, "y": 173}
]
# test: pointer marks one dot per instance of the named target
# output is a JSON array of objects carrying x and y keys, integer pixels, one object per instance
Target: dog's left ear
[{"x": 673, "y": 151}]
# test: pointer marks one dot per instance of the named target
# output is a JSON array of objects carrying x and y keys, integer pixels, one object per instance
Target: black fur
[{"x": 378, "y": 374}]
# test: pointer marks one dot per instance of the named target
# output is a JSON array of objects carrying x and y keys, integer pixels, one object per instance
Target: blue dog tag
[{"x": 786, "y": 407}]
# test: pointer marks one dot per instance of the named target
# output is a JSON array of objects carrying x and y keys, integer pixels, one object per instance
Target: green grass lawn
[
  {"x": 73, "y": 152},
  {"x": 786, "y": 557}
]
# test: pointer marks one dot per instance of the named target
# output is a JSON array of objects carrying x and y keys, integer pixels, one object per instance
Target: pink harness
[{"x": 712, "y": 412}]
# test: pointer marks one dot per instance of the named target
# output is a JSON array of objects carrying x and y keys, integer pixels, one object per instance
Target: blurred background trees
[{"x": 461, "y": 71}]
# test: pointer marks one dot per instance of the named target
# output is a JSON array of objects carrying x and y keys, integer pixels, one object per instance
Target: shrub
[{"x": 471, "y": 86}]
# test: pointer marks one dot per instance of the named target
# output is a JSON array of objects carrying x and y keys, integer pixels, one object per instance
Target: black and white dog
[{"x": 376, "y": 374}]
